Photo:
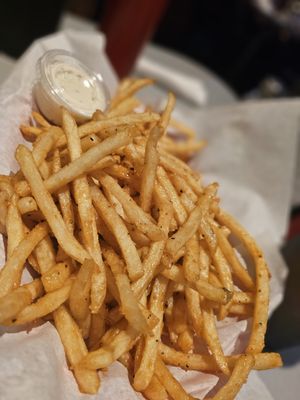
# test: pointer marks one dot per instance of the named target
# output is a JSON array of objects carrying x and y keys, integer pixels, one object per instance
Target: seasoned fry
[
  {"x": 14, "y": 226},
  {"x": 79, "y": 300},
  {"x": 55, "y": 277},
  {"x": 149, "y": 170},
  {"x": 87, "y": 218},
  {"x": 260, "y": 317},
  {"x": 118, "y": 228},
  {"x": 145, "y": 371},
  {"x": 75, "y": 348},
  {"x": 45, "y": 305},
  {"x": 239, "y": 376},
  {"x": 136, "y": 215},
  {"x": 172, "y": 386},
  {"x": 10, "y": 274},
  {"x": 14, "y": 302},
  {"x": 129, "y": 304},
  {"x": 48, "y": 207}
]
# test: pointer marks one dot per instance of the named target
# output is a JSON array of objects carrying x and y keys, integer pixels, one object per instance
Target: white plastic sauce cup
[{"x": 63, "y": 80}]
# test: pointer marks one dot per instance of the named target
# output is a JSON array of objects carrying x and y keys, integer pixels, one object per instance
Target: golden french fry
[
  {"x": 64, "y": 196},
  {"x": 179, "y": 211},
  {"x": 79, "y": 300},
  {"x": 211, "y": 337},
  {"x": 171, "y": 385},
  {"x": 136, "y": 215},
  {"x": 207, "y": 363},
  {"x": 260, "y": 317},
  {"x": 14, "y": 302},
  {"x": 144, "y": 373},
  {"x": 75, "y": 348},
  {"x": 129, "y": 90},
  {"x": 190, "y": 226},
  {"x": 56, "y": 276},
  {"x": 150, "y": 166},
  {"x": 118, "y": 228},
  {"x": 103, "y": 357},
  {"x": 155, "y": 390},
  {"x": 40, "y": 119},
  {"x": 82, "y": 195},
  {"x": 27, "y": 205},
  {"x": 47, "y": 206},
  {"x": 14, "y": 226},
  {"x": 82, "y": 164},
  {"x": 45, "y": 305},
  {"x": 129, "y": 303},
  {"x": 45, "y": 254},
  {"x": 10, "y": 274},
  {"x": 166, "y": 114},
  {"x": 238, "y": 377}
]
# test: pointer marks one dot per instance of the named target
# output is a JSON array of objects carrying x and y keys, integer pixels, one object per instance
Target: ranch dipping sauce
[{"x": 62, "y": 80}]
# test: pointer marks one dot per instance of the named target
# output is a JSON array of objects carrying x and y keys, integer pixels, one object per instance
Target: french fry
[
  {"x": 75, "y": 348},
  {"x": 87, "y": 218},
  {"x": 145, "y": 371},
  {"x": 10, "y": 274},
  {"x": 118, "y": 228},
  {"x": 211, "y": 337},
  {"x": 166, "y": 114},
  {"x": 14, "y": 226},
  {"x": 260, "y": 317},
  {"x": 27, "y": 205},
  {"x": 129, "y": 303},
  {"x": 171, "y": 385},
  {"x": 179, "y": 211},
  {"x": 14, "y": 302},
  {"x": 79, "y": 301},
  {"x": 103, "y": 357},
  {"x": 64, "y": 196},
  {"x": 150, "y": 166},
  {"x": 238, "y": 377},
  {"x": 135, "y": 214},
  {"x": 47, "y": 206},
  {"x": 155, "y": 390},
  {"x": 45, "y": 254},
  {"x": 45, "y": 305},
  {"x": 207, "y": 363},
  {"x": 190, "y": 226},
  {"x": 55, "y": 277},
  {"x": 129, "y": 90}
]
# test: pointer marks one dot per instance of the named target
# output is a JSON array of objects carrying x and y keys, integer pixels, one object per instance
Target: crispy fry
[
  {"x": 87, "y": 218},
  {"x": 239, "y": 376},
  {"x": 136, "y": 215},
  {"x": 14, "y": 302},
  {"x": 150, "y": 166},
  {"x": 259, "y": 324},
  {"x": 75, "y": 348},
  {"x": 172, "y": 386},
  {"x": 47, "y": 206},
  {"x": 118, "y": 228},
  {"x": 56, "y": 276},
  {"x": 10, "y": 274},
  {"x": 45, "y": 305},
  {"x": 145, "y": 372}
]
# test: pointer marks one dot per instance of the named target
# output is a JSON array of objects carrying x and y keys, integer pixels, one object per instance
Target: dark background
[{"x": 232, "y": 37}]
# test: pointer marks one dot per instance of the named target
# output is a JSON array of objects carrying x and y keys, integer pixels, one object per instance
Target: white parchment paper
[{"x": 251, "y": 151}]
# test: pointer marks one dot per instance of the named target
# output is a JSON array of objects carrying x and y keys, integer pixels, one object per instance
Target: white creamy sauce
[{"x": 76, "y": 87}]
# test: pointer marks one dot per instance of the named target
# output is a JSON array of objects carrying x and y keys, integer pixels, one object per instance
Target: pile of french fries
[{"x": 132, "y": 258}]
